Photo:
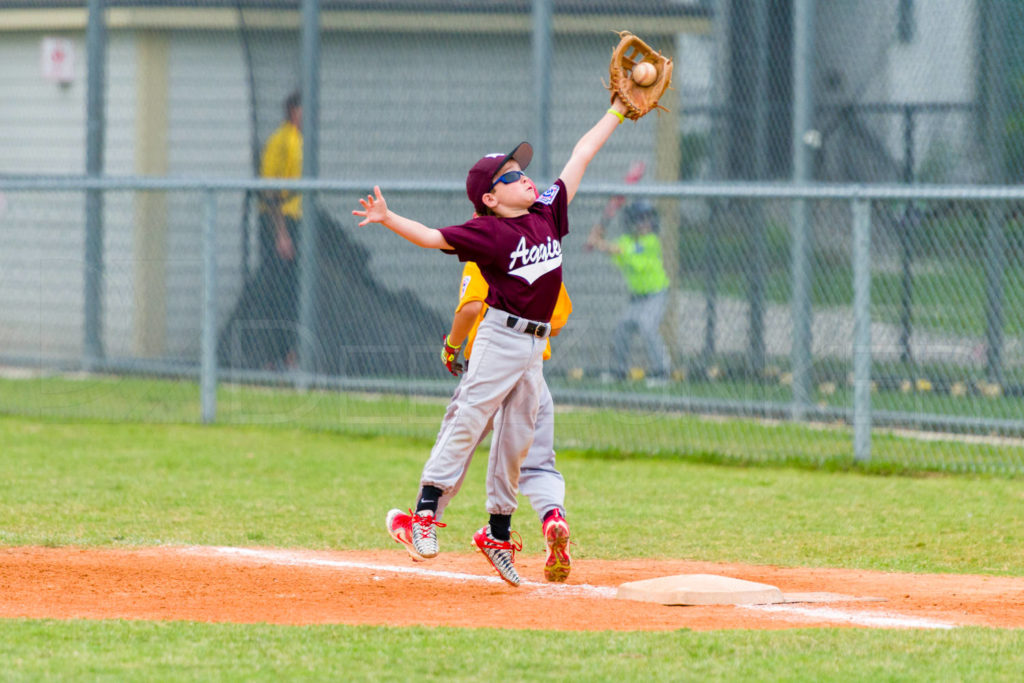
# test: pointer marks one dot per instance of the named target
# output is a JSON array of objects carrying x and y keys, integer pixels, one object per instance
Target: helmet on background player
[{"x": 638, "y": 211}]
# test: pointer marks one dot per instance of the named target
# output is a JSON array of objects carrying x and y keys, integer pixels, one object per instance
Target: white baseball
[{"x": 644, "y": 74}]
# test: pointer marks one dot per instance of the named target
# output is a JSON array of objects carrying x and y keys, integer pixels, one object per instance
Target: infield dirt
[{"x": 290, "y": 587}]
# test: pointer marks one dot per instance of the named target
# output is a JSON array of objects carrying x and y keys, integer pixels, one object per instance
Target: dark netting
[{"x": 362, "y": 327}]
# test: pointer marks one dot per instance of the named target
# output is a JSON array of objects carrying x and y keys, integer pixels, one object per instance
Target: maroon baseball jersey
[{"x": 520, "y": 258}]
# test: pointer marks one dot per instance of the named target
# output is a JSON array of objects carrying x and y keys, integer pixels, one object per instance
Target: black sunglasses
[{"x": 506, "y": 177}]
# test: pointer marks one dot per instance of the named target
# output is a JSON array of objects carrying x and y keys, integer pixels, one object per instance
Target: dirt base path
[{"x": 213, "y": 584}]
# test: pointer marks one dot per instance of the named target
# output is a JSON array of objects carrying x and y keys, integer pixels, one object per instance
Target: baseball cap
[{"x": 478, "y": 182}]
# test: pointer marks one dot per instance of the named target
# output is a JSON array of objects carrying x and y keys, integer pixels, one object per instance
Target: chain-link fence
[
  {"x": 759, "y": 318},
  {"x": 937, "y": 319}
]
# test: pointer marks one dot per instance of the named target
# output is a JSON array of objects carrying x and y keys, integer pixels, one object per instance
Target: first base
[{"x": 700, "y": 589}]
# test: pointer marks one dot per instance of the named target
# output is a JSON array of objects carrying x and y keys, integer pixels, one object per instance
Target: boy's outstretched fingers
[{"x": 374, "y": 208}]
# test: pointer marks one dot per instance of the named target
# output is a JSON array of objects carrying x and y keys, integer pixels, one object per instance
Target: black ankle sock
[
  {"x": 501, "y": 526},
  {"x": 429, "y": 496},
  {"x": 552, "y": 511}
]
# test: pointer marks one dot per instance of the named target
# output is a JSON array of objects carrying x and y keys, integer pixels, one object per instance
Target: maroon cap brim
[
  {"x": 523, "y": 154},
  {"x": 481, "y": 177}
]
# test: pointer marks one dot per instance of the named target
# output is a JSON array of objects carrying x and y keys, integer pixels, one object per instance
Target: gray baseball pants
[
  {"x": 539, "y": 480},
  {"x": 505, "y": 374}
]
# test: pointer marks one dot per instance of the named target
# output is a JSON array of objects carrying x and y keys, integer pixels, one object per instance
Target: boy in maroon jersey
[{"x": 515, "y": 239}]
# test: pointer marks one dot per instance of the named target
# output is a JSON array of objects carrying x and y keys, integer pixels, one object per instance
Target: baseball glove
[{"x": 639, "y": 99}]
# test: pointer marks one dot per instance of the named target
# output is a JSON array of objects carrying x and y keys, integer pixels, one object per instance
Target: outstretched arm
[
  {"x": 587, "y": 147},
  {"x": 375, "y": 210},
  {"x": 596, "y": 240}
]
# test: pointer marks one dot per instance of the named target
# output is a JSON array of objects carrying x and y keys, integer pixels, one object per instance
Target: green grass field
[
  {"x": 602, "y": 431},
  {"x": 320, "y": 471}
]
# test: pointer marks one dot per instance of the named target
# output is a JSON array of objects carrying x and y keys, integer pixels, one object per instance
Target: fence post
[
  {"x": 804, "y": 140},
  {"x": 995, "y": 39},
  {"x": 96, "y": 49},
  {"x": 861, "y": 210},
  {"x": 542, "y": 50},
  {"x": 710, "y": 269},
  {"x": 995, "y": 273},
  {"x": 905, "y": 226},
  {"x": 309, "y": 230},
  {"x": 758, "y": 248},
  {"x": 208, "y": 342}
]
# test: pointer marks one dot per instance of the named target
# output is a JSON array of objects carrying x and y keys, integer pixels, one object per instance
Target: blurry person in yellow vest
[{"x": 280, "y": 217}]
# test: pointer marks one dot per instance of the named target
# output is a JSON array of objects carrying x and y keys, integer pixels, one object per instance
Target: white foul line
[
  {"x": 290, "y": 558},
  {"x": 876, "y": 619},
  {"x": 869, "y": 619}
]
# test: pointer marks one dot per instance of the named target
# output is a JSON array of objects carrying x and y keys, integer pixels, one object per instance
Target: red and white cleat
[
  {"x": 556, "y": 536},
  {"x": 407, "y": 528},
  {"x": 501, "y": 554}
]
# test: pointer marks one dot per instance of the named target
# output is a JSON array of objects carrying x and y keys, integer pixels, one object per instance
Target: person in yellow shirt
[
  {"x": 281, "y": 210},
  {"x": 280, "y": 217}
]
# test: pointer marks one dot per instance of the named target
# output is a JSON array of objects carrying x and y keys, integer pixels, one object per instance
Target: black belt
[{"x": 532, "y": 328}]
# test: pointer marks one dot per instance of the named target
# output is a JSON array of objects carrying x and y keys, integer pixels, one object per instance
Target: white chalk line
[
  {"x": 290, "y": 558},
  {"x": 285, "y": 557},
  {"x": 872, "y": 619}
]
